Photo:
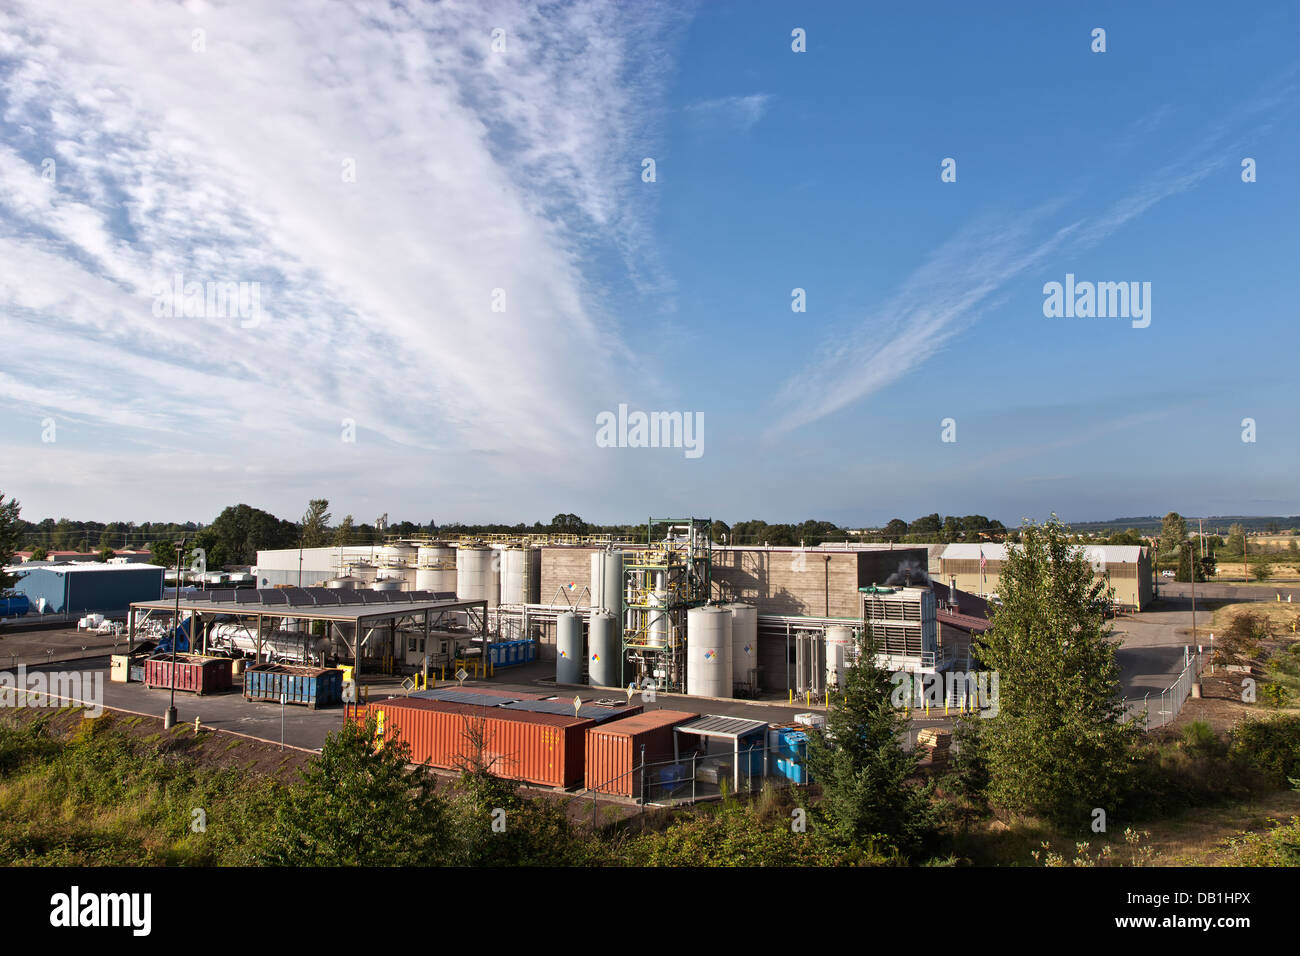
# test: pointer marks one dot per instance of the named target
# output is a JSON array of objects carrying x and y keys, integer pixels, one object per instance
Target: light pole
[{"x": 169, "y": 716}]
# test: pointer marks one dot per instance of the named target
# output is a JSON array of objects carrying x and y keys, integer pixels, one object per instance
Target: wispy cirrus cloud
[
  {"x": 965, "y": 277},
  {"x": 739, "y": 113},
  {"x": 143, "y": 141}
]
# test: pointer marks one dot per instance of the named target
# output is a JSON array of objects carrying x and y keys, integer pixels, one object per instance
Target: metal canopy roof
[
  {"x": 389, "y": 604},
  {"x": 730, "y": 727}
]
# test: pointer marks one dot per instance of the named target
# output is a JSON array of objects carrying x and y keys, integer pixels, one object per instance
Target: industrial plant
[{"x": 676, "y": 612}]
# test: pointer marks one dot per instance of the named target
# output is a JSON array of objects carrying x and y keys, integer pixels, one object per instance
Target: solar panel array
[{"x": 315, "y": 596}]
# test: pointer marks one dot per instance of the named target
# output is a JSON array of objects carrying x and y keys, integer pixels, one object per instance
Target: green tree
[
  {"x": 240, "y": 531},
  {"x": 343, "y": 534},
  {"x": 568, "y": 524},
  {"x": 1173, "y": 532},
  {"x": 103, "y": 554},
  {"x": 1236, "y": 542},
  {"x": 862, "y": 767},
  {"x": 1261, "y": 571},
  {"x": 9, "y": 533},
  {"x": 39, "y": 553},
  {"x": 1059, "y": 745},
  {"x": 895, "y": 530},
  {"x": 1187, "y": 560},
  {"x": 360, "y": 806},
  {"x": 927, "y": 526},
  {"x": 315, "y": 523}
]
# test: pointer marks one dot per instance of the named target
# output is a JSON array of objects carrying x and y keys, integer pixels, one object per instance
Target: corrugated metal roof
[
  {"x": 1111, "y": 553},
  {"x": 711, "y": 726},
  {"x": 468, "y": 710},
  {"x": 649, "y": 720},
  {"x": 594, "y": 712},
  {"x": 464, "y": 697},
  {"x": 80, "y": 566}
]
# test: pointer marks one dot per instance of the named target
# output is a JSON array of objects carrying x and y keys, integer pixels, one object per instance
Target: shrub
[{"x": 1271, "y": 745}]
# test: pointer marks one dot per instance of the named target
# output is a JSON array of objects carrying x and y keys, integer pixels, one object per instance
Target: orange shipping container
[
  {"x": 545, "y": 749},
  {"x": 614, "y": 749}
]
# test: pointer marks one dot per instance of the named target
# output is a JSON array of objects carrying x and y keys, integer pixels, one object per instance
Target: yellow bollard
[
  {"x": 792, "y": 689},
  {"x": 828, "y": 700}
]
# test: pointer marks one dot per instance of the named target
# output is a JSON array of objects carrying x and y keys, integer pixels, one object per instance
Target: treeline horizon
[{"x": 235, "y": 535}]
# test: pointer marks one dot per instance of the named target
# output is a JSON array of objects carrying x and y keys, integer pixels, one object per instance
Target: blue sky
[{"x": 218, "y": 155}]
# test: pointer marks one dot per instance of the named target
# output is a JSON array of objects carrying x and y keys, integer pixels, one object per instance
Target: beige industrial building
[{"x": 977, "y": 569}]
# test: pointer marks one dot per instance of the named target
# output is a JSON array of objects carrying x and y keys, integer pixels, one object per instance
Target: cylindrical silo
[
  {"x": 387, "y": 584},
  {"x": 344, "y": 583},
  {"x": 476, "y": 577},
  {"x": 607, "y": 582},
  {"x": 839, "y": 653},
  {"x": 436, "y": 568},
  {"x": 744, "y": 644},
  {"x": 521, "y": 576},
  {"x": 606, "y": 649},
  {"x": 708, "y": 651},
  {"x": 568, "y": 648}
]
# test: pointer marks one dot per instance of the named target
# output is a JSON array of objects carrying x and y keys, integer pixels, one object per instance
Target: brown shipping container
[
  {"x": 614, "y": 749},
  {"x": 545, "y": 749}
]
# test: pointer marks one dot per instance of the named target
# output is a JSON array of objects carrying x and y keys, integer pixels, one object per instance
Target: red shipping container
[
  {"x": 614, "y": 749},
  {"x": 194, "y": 673},
  {"x": 545, "y": 749}
]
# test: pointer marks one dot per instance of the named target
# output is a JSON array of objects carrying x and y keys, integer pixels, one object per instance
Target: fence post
[
  {"x": 642, "y": 779},
  {"x": 692, "y": 779}
]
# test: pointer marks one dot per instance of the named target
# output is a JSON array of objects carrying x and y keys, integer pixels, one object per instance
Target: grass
[{"x": 95, "y": 797}]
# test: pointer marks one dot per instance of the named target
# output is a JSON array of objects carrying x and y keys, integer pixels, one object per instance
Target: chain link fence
[{"x": 1163, "y": 707}]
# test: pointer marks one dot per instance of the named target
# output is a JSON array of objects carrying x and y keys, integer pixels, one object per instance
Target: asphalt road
[
  {"x": 1232, "y": 592},
  {"x": 1150, "y": 657}
]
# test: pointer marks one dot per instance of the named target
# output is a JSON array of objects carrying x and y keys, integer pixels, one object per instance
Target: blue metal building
[{"x": 76, "y": 588}]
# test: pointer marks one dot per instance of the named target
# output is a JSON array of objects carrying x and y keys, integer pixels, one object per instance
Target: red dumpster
[{"x": 194, "y": 673}]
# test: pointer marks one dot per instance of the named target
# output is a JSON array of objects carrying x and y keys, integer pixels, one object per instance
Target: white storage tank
[
  {"x": 344, "y": 583},
  {"x": 607, "y": 581},
  {"x": 568, "y": 648},
  {"x": 839, "y": 653},
  {"x": 521, "y": 576},
  {"x": 708, "y": 651},
  {"x": 744, "y": 644},
  {"x": 477, "y": 575},
  {"x": 606, "y": 640},
  {"x": 436, "y": 568},
  {"x": 387, "y": 584},
  {"x": 400, "y": 575},
  {"x": 399, "y": 555}
]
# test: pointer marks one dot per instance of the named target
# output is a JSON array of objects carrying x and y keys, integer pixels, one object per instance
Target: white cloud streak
[{"x": 475, "y": 171}]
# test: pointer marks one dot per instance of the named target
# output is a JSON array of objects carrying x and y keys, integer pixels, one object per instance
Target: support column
[{"x": 426, "y": 647}]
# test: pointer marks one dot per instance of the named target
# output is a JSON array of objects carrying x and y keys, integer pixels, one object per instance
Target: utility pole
[{"x": 169, "y": 716}]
